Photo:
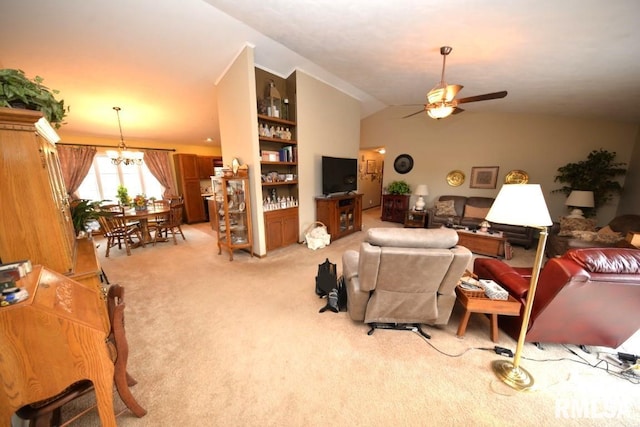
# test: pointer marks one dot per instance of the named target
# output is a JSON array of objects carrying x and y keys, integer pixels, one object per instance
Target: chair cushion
[
  {"x": 442, "y": 238},
  {"x": 445, "y": 208},
  {"x": 606, "y": 260}
]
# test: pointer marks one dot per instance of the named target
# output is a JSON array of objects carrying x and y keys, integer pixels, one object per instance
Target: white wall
[
  {"x": 538, "y": 145},
  {"x": 329, "y": 125}
]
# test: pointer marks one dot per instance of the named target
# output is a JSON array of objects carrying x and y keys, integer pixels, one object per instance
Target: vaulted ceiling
[{"x": 160, "y": 60}]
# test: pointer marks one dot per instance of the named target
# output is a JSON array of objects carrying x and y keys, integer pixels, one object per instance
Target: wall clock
[{"x": 403, "y": 163}]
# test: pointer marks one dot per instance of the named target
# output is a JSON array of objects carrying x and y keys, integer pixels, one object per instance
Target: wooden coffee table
[
  {"x": 474, "y": 303},
  {"x": 482, "y": 243}
]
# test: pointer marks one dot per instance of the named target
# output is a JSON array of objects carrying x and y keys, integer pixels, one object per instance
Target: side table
[
  {"x": 415, "y": 219},
  {"x": 473, "y": 303}
]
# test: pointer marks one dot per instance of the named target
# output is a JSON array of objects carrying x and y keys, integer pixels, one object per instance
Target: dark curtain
[
  {"x": 75, "y": 162},
  {"x": 160, "y": 166}
]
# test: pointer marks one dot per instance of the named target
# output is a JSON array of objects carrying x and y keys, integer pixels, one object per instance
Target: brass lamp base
[{"x": 515, "y": 377}]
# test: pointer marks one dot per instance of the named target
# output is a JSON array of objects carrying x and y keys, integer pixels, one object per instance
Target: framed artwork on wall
[
  {"x": 371, "y": 166},
  {"x": 484, "y": 177}
]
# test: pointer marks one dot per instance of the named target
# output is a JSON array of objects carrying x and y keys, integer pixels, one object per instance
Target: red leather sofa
[{"x": 585, "y": 297}]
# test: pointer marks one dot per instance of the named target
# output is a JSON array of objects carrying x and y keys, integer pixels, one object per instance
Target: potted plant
[
  {"x": 84, "y": 211},
  {"x": 18, "y": 91},
  {"x": 596, "y": 174},
  {"x": 140, "y": 202},
  {"x": 123, "y": 196},
  {"x": 398, "y": 187}
]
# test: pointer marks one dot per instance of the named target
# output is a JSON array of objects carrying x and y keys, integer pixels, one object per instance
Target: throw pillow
[
  {"x": 474, "y": 212},
  {"x": 607, "y": 235},
  {"x": 587, "y": 236},
  {"x": 445, "y": 208},
  {"x": 568, "y": 225}
]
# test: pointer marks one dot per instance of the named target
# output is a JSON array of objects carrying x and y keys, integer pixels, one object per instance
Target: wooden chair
[
  {"x": 172, "y": 224},
  {"x": 47, "y": 413},
  {"x": 117, "y": 231}
]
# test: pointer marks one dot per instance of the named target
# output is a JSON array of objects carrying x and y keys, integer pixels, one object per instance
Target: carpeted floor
[{"x": 241, "y": 343}]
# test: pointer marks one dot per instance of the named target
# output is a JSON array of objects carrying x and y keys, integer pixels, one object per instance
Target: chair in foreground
[
  {"x": 117, "y": 232},
  {"x": 47, "y": 413},
  {"x": 171, "y": 225},
  {"x": 402, "y": 278},
  {"x": 585, "y": 297}
]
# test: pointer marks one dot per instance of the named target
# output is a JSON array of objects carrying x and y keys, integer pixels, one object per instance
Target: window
[{"x": 101, "y": 183}]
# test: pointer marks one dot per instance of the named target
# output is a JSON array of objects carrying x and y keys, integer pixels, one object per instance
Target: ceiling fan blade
[
  {"x": 457, "y": 110},
  {"x": 485, "y": 97},
  {"x": 413, "y": 114}
]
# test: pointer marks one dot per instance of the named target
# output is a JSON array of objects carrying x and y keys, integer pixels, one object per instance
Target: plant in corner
[
  {"x": 18, "y": 91},
  {"x": 84, "y": 211},
  {"x": 398, "y": 187},
  {"x": 596, "y": 174}
]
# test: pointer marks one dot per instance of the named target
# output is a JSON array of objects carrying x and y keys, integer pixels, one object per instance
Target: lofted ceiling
[{"x": 160, "y": 60}]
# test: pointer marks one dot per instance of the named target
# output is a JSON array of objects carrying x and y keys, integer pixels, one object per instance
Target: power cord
[{"x": 630, "y": 371}]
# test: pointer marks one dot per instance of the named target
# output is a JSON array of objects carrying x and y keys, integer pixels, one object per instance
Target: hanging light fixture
[{"x": 123, "y": 155}]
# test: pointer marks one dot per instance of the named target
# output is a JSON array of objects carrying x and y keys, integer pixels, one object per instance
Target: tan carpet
[{"x": 219, "y": 343}]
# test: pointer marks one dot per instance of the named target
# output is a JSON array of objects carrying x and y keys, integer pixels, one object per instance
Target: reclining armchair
[
  {"x": 587, "y": 296},
  {"x": 404, "y": 277}
]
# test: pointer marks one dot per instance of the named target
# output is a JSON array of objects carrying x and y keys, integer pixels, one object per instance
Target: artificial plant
[
  {"x": 19, "y": 91},
  {"x": 83, "y": 211},
  {"x": 598, "y": 174},
  {"x": 398, "y": 187}
]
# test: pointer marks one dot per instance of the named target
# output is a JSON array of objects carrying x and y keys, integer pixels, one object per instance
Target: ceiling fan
[{"x": 441, "y": 99}]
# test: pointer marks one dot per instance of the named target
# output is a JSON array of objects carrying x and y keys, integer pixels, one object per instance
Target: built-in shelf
[
  {"x": 278, "y": 140},
  {"x": 276, "y": 120}
]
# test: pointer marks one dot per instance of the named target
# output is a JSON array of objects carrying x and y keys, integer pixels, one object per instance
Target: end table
[{"x": 415, "y": 219}]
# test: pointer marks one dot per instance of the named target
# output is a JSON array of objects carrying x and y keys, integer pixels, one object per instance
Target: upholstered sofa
[
  {"x": 404, "y": 276},
  {"x": 585, "y": 297},
  {"x": 570, "y": 233},
  {"x": 470, "y": 212}
]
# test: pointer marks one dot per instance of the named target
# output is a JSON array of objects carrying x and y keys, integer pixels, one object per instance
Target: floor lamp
[{"x": 524, "y": 205}]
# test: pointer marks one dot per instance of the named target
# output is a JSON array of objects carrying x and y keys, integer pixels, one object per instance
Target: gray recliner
[{"x": 404, "y": 276}]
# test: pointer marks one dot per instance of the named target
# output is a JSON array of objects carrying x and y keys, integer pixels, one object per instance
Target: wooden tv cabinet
[{"x": 341, "y": 214}]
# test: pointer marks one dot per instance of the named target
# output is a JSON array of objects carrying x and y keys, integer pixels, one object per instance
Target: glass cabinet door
[{"x": 233, "y": 213}]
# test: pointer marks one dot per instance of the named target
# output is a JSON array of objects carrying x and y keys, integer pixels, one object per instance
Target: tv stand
[{"x": 342, "y": 214}]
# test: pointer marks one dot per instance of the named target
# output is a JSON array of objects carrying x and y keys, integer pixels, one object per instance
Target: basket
[{"x": 316, "y": 236}]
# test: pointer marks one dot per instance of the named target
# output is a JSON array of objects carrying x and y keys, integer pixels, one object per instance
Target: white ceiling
[{"x": 160, "y": 59}]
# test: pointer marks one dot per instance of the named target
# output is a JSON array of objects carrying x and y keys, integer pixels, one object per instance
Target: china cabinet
[
  {"x": 232, "y": 209},
  {"x": 35, "y": 220}
]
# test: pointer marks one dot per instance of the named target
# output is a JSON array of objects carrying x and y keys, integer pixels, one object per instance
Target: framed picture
[
  {"x": 484, "y": 177},
  {"x": 371, "y": 166}
]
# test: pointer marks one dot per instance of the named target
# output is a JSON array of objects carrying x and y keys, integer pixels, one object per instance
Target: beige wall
[
  {"x": 535, "y": 144},
  {"x": 239, "y": 134},
  {"x": 328, "y": 125},
  {"x": 630, "y": 200}
]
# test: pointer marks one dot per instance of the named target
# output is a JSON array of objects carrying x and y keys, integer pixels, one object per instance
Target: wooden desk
[
  {"x": 63, "y": 343},
  {"x": 155, "y": 210}
]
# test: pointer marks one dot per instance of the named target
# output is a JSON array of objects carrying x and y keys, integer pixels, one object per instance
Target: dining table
[{"x": 153, "y": 211}]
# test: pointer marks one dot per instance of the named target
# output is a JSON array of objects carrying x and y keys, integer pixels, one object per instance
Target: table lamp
[
  {"x": 420, "y": 191},
  {"x": 524, "y": 205},
  {"x": 579, "y": 199}
]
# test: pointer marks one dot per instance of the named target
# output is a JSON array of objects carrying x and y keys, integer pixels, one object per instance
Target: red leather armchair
[{"x": 587, "y": 296}]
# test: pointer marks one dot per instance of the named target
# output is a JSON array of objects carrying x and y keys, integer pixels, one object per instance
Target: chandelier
[{"x": 123, "y": 155}]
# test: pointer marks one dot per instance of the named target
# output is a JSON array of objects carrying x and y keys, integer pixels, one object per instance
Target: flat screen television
[{"x": 339, "y": 175}]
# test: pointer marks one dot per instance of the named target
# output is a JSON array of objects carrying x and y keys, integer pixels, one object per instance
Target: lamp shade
[
  {"x": 520, "y": 204},
  {"x": 580, "y": 199},
  {"x": 421, "y": 190}
]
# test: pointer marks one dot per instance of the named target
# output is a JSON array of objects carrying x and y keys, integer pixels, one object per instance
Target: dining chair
[
  {"x": 47, "y": 413},
  {"x": 118, "y": 231},
  {"x": 172, "y": 224}
]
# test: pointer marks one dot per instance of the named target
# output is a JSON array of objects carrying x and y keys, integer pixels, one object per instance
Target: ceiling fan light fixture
[{"x": 440, "y": 110}]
